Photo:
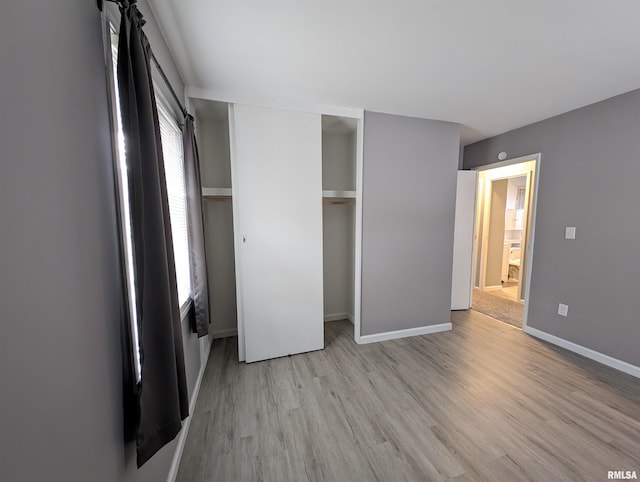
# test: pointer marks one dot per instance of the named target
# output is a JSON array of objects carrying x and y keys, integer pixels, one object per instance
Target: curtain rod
[
  {"x": 166, "y": 81},
  {"x": 155, "y": 61}
]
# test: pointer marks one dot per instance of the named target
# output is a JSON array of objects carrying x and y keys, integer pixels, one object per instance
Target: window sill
[{"x": 184, "y": 309}]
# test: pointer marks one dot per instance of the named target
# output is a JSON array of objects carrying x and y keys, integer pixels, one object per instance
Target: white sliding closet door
[{"x": 277, "y": 192}]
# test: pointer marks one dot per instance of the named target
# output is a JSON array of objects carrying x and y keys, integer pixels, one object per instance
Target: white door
[
  {"x": 463, "y": 241},
  {"x": 524, "y": 245},
  {"x": 277, "y": 195}
]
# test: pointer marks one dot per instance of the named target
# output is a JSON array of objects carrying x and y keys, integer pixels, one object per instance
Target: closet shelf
[
  {"x": 216, "y": 191},
  {"x": 338, "y": 194},
  {"x": 216, "y": 194}
]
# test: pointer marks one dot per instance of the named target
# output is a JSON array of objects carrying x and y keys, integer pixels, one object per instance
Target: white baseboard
[
  {"x": 392, "y": 335},
  {"x": 223, "y": 333},
  {"x": 338, "y": 317},
  {"x": 182, "y": 437},
  {"x": 587, "y": 352},
  {"x": 493, "y": 288}
]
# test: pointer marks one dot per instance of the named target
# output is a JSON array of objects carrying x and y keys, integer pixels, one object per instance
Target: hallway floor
[
  {"x": 500, "y": 304},
  {"x": 508, "y": 291}
]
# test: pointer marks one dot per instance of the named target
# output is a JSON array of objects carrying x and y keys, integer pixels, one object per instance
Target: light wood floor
[{"x": 482, "y": 402}]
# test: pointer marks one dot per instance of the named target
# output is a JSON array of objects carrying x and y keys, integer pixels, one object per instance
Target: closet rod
[
  {"x": 185, "y": 113},
  {"x": 346, "y": 203}
]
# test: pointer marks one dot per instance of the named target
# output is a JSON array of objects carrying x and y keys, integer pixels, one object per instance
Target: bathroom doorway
[{"x": 502, "y": 236}]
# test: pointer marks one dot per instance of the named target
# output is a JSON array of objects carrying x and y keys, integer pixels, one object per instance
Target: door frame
[
  {"x": 357, "y": 114},
  {"x": 529, "y": 228},
  {"x": 322, "y": 109},
  {"x": 462, "y": 258},
  {"x": 270, "y": 321}
]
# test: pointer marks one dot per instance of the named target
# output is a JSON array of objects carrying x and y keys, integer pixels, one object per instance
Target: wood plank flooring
[{"x": 482, "y": 402}]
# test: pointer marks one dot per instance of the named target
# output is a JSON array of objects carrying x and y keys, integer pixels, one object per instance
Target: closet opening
[
  {"x": 242, "y": 209},
  {"x": 212, "y": 131},
  {"x": 339, "y": 160}
]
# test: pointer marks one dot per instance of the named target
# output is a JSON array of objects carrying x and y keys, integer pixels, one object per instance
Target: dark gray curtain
[
  {"x": 162, "y": 393},
  {"x": 200, "y": 286}
]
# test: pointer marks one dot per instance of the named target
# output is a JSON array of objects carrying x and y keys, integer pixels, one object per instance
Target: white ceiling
[{"x": 491, "y": 65}]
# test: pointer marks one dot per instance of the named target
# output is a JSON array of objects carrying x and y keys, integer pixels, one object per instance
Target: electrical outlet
[
  {"x": 570, "y": 232},
  {"x": 563, "y": 309}
]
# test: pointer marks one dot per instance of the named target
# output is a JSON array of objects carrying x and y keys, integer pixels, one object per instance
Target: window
[
  {"x": 172, "y": 148},
  {"x": 173, "y": 155},
  {"x": 122, "y": 184}
]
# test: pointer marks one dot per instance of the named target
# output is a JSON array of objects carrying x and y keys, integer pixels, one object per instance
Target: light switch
[
  {"x": 563, "y": 309},
  {"x": 570, "y": 232}
]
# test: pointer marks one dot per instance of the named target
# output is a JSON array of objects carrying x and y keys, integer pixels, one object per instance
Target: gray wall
[
  {"x": 589, "y": 176},
  {"x": 60, "y": 367},
  {"x": 409, "y": 195},
  {"x": 495, "y": 244},
  {"x": 339, "y": 161},
  {"x": 215, "y": 157},
  {"x": 338, "y": 238}
]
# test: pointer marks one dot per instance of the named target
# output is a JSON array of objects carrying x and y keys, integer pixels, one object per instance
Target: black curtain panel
[
  {"x": 200, "y": 286},
  {"x": 162, "y": 392}
]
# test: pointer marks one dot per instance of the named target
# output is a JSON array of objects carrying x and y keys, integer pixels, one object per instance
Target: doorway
[{"x": 502, "y": 239}]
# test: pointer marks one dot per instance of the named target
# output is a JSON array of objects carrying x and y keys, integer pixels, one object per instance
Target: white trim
[
  {"x": 492, "y": 288},
  {"x": 186, "y": 306},
  {"x": 221, "y": 96},
  {"x": 476, "y": 233},
  {"x": 338, "y": 317},
  {"x": 162, "y": 94},
  {"x": 358, "y": 114},
  {"x": 536, "y": 158},
  {"x": 483, "y": 236},
  {"x": 182, "y": 437},
  {"x": 216, "y": 191},
  {"x": 111, "y": 14},
  {"x": 226, "y": 333},
  {"x": 392, "y": 335},
  {"x": 357, "y": 289},
  {"x": 339, "y": 194},
  {"x": 462, "y": 263},
  {"x": 508, "y": 162},
  {"x": 524, "y": 241},
  {"x": 473, "y": 244},
  {"x": 529, "y": 254},
  {"x": 587, "y": 352},
  {"x": 236, "y": 237}
]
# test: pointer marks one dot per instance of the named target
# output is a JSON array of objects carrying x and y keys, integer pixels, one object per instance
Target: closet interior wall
[
  {"x": 212, "y": 129},
  {"x": 339, "y": 154},
  {"x": 339, "y": 147}
]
